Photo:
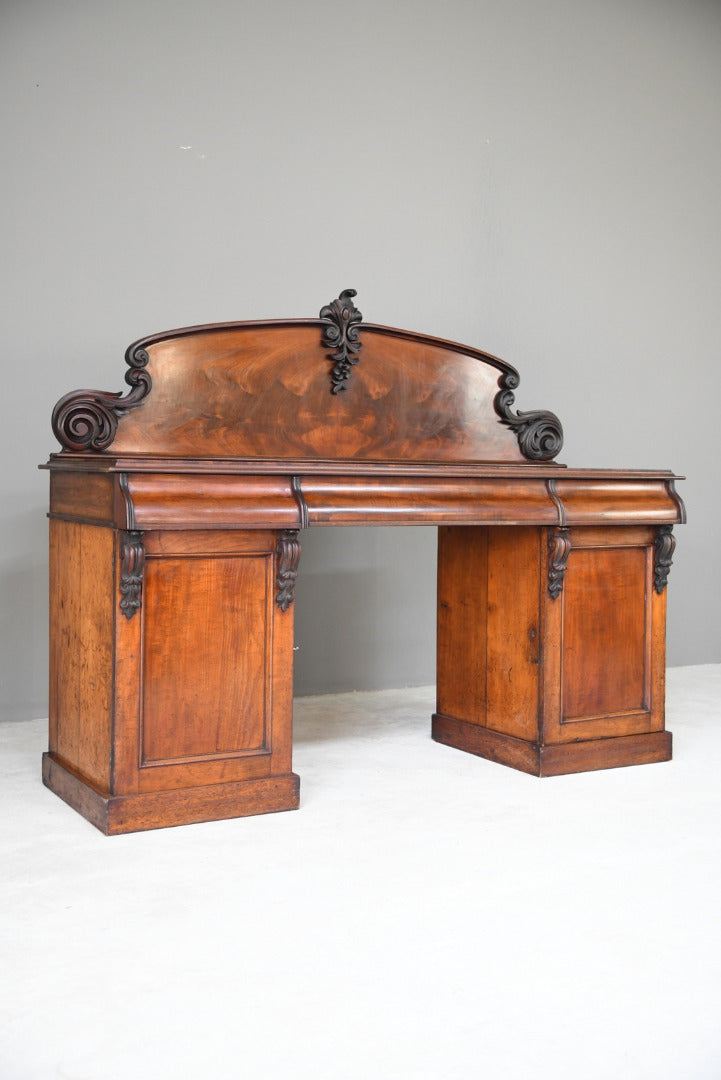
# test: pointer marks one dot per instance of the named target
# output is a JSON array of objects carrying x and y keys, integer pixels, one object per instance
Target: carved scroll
[
  {"x": 132, "y": 564},
  {"x": 539, "y": 434},
  {"x": 664, "y": 545},
  {"x": 559, "y": 548},
  {"x": 287, "y": 553},
  {"x": 341, "y": 333},
  {"x": 88, "y": 419}
]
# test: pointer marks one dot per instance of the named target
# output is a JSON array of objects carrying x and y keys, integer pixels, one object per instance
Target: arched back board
[{"x": 326, "y": 389}]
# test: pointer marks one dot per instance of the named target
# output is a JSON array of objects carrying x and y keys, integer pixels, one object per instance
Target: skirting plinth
[
  {"x": 114, "y": 814},
  {"x": 557, "y": 758}
]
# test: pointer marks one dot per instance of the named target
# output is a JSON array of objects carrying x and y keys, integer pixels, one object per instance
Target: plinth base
[
  {"x": 114, "y": 814},
  {"x": 556, "y": 759}
]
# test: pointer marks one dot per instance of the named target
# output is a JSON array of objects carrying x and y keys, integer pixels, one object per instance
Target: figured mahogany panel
[
  {"x": 264, "y": 392},
  {"x": 206, "y": 657},
  {"x": 82, "y": 602},
  {"x": 605, "y": 656}
]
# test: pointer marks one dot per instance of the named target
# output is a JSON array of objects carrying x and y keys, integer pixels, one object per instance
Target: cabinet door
[
  {"x": 604, "y": 650},
  {"x": 214, "y": 670}
]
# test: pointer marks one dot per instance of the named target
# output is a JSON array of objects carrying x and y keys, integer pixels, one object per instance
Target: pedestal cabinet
[
  {"x": 551, "y": 652},
  {"x": 171, "y": 667}
]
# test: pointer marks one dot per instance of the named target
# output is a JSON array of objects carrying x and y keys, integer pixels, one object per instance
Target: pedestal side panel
[
  {"x": 514, "y": 564},
  {"x": 81, "y": 648}
]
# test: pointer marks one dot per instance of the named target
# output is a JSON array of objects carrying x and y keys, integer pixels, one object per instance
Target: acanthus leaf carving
[
  {"x": 132, "y": 565},
  {"x": 287, "y": 554},
  {"x": 341, "y": 333},
  {"x": 559, "y": 548},
  {"x": 539, "y": 433},
  {"x": 88, "y": 419},
  {"x": 664, "y": 545}
]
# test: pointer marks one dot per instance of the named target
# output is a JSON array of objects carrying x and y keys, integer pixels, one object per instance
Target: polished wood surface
[
  {"x": 81, "y": 643},
  {"x": 177, "y": 517},
  {"x": 262, "y": 392},
  {"x": 168, "y": 498}
]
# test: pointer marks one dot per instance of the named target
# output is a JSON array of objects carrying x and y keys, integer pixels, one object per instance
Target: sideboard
[{"x": 177, "y": 511}]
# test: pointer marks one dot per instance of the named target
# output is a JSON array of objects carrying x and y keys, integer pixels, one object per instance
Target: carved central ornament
[{"x": 341, "y": 332}]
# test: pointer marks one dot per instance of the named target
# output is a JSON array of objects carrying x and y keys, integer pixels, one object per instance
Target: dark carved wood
[
  {"x": 88, "y": 419},
  {"x": 341, "y": 332},
  {"x": 559, "y": 547},
  {"x": 664, "y": 545},
  {"x": 288, "y": 556},
  {"x": 132, "y": 563},
  {"x": 539, "y": 434}
]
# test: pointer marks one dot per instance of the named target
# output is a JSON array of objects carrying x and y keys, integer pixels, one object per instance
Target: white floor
[{"x": 426, "y": 914}]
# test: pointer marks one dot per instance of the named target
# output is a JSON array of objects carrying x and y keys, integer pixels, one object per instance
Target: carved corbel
[
  {"x": 341, "y": 333},
  {"x": 559, "y": 547},
  {"x": 287, "y": 553},
  {"x": 132, "y": 564},
  {"x": 539, "y": 434},
  {"x": 88, "y": 419},
  {"x": 664, "y": 544}
]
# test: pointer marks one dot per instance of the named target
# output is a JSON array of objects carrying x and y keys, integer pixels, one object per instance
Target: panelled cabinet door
[
  {"x": 208, "y": 664},
  {"x": 604, "y": 632}
]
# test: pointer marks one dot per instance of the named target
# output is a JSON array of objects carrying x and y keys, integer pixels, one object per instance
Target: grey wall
[{"x": 538, "y": 179}]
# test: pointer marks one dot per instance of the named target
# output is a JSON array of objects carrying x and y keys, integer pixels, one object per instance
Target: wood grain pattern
[
  {"x": 462, "y": 628},
  {"x": 206, "y": 617},
  {"x": 514, "y": 585},
  {"x": 81, "y": 647},
  {"x": 604, "y": 667},
  {"x": 605, "y": 604},
  {"x": 264, "y": 393},
  {"x": 489, "y": 627},
  {"x": 593, "y": 500},
  {"x": 88, "y": 497},
  {"x": 162, "y": 501},
  {"x": 430, "y": 500}
]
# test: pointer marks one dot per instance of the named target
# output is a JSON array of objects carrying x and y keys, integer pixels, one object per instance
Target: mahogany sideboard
[{"x": 176, "y": 516}]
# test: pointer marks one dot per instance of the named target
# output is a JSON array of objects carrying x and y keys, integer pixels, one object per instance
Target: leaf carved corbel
[
  {"x": 88, "y": 419},
  {"x": 664, "y": 545},
  {"x": 287, "y": 553},
  {"x": 559, "y": 548},
  {"x": 539, "y": 433},
  {"x": 132, "y": 565},
  {"x": 341, "y": 321}
]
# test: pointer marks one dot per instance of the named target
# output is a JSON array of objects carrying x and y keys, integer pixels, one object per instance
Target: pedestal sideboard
[{"x": 176, "y": 519}]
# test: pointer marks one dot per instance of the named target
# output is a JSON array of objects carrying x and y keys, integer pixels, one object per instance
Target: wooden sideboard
[{"x": 176, "y": 518}]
